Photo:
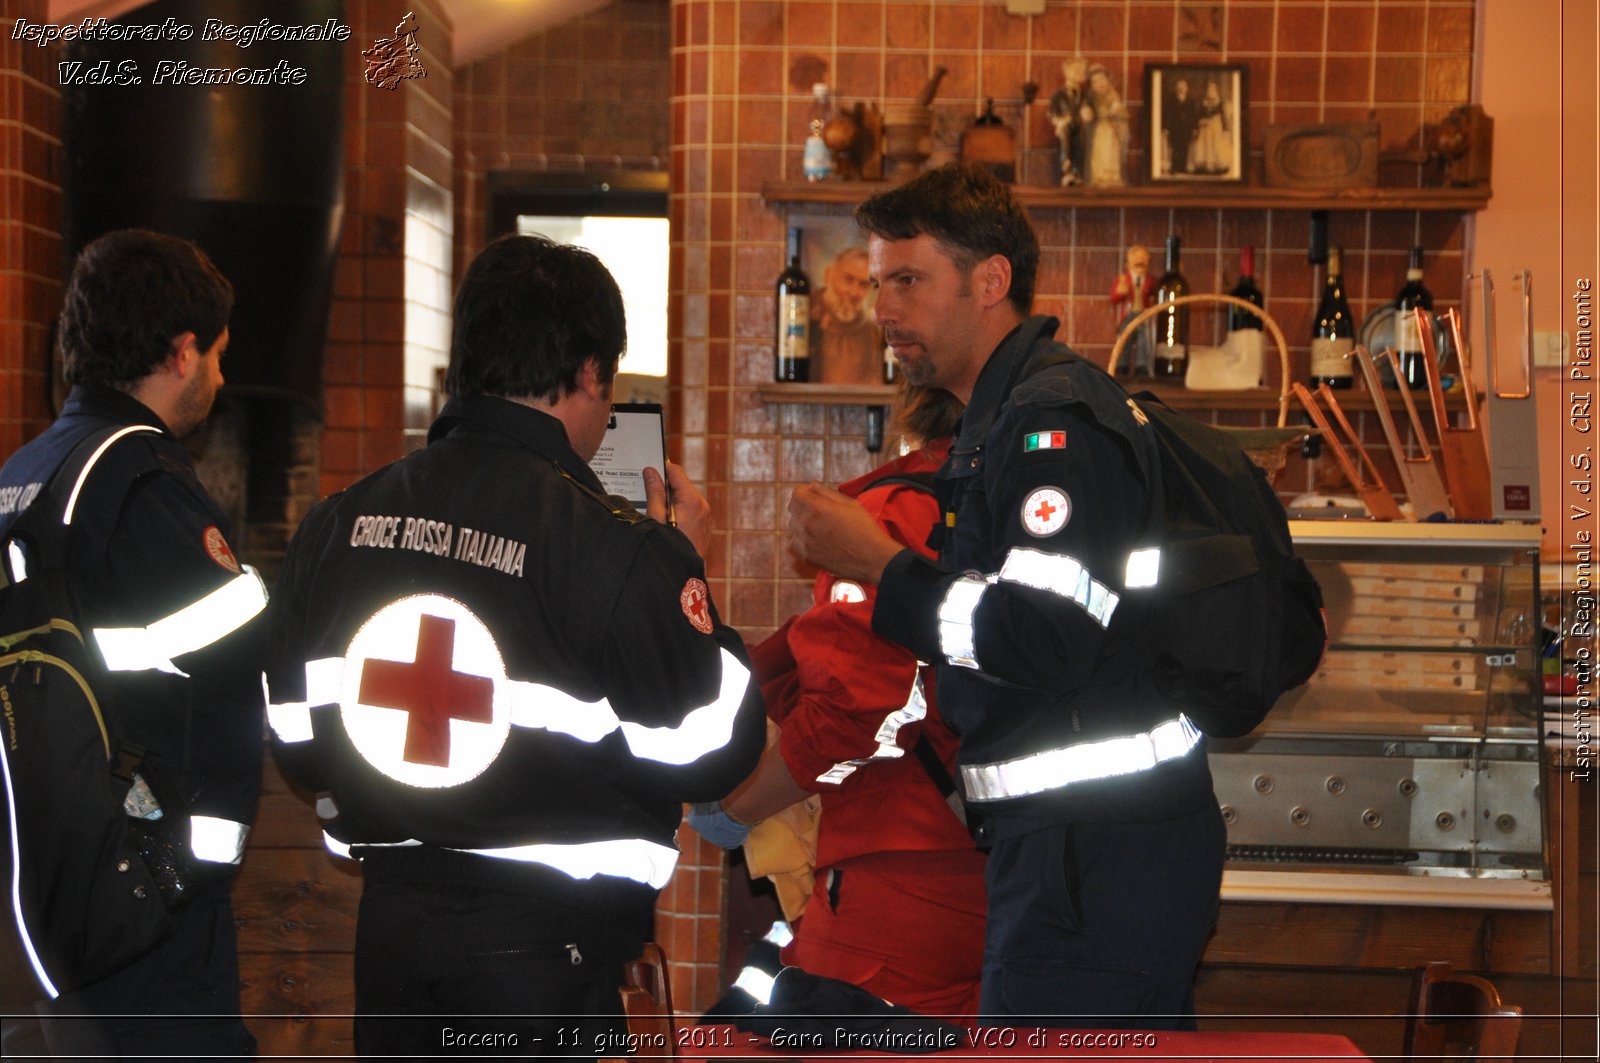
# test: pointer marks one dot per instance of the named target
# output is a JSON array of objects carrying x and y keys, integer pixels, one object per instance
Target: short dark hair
[
  {"x": 969, "y": 211},
  {"x": 131, "y": 293},
  {"x": 528, "y": 314}
]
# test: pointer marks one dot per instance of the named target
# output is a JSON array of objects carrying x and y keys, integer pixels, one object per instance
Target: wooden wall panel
[{"x": 1332, "y": 935}]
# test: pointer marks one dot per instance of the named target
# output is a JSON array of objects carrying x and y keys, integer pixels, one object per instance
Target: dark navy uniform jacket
[
  {"x": 174, "y": 615},
  {"x": 477, "y": 650},
  {"x": 1025, "y": 611}
]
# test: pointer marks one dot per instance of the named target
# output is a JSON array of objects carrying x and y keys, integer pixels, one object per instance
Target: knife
[
  {"x": 1374, "y": 493},
  {"x": 1466, "y": 462},
  {"x": 1419, "y": 475}
]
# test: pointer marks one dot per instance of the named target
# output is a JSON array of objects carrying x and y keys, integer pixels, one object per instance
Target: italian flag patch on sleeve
[{"x": 1043, "y": 441}]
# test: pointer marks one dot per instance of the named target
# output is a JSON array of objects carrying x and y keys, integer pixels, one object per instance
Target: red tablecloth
[{"x": 724, "y": 1042}]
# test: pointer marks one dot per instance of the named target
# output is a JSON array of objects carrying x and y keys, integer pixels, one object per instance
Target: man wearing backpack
[
  {"x": 1105, "y": 840},
  {"x": 142, "y": 333}
]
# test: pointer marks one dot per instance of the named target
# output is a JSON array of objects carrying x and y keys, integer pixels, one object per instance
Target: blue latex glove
[{"x": 717, "y": 827}]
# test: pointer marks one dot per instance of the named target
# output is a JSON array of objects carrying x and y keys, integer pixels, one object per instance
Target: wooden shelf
[
  {"x": 1253, "y": 399},
  {"x": 1165, "y": 196},
  {"x": 829, "y": 394}
]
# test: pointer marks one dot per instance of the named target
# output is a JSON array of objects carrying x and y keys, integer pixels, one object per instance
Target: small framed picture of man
[
  {"x": 846, "y": 343},
  {"x": 1196, "y": 121}
]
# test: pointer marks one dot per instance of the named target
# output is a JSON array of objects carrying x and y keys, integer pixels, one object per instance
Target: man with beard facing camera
[{"x": 1105, "y": 841}]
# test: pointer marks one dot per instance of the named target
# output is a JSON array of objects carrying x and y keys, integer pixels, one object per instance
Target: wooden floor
[{"x": 295, "y": 904}]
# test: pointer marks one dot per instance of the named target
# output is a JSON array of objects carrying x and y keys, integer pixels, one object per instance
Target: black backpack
[
  {"x": 83, "y": 902},
  {"x": 1235, "y": 618},
  {"x": 1232, "y": 618}
]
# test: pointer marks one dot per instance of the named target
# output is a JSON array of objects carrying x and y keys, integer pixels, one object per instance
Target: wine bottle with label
[
  {"x": 1333, "y": 335},
  {"x": 794, "y": 318},
  {"x": 1172, "y": 326},
  {"x": 1244, "y": 338},
  {"x": 1407, "y": 334}
]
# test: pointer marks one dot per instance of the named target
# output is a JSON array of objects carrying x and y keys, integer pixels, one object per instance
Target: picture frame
[
  {"x": 1196, "y": 115},
  {"x": 846, "y": 343}
]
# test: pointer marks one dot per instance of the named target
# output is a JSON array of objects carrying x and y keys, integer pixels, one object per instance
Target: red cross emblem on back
[
  {"x": 430, "y": 691},
  {"x": 1044, "y": 511}
]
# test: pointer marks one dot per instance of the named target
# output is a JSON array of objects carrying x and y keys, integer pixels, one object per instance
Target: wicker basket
[{"x": 1267, "y": 447}]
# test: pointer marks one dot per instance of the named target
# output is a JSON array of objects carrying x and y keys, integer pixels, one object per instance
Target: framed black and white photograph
[{"x": 1196, "y": 127}]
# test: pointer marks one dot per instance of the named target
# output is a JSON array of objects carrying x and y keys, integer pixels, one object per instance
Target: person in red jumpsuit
[{"x": 897, "y": 905}]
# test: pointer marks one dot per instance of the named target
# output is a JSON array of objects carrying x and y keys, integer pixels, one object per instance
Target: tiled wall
[
  {"x": 30, "y": 226},
  {"x": 589, "y": 94},
  {"x": 741, "y": 76},
  {"x": 388, "y": 329}
]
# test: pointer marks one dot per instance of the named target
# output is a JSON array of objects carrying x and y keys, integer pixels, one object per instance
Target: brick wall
[
  {"x": 388, "y": 328},
  {"x": 31, "y": 268}
]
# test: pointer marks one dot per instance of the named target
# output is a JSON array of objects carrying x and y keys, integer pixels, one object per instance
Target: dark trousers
[
  {"x": 180, "y": 1000},
  {"x": 448, "y": 966},
  {"x": 1101, "y": 925}
]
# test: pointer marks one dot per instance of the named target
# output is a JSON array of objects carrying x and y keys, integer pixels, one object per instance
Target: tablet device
[{"x": 636, "y": 440}]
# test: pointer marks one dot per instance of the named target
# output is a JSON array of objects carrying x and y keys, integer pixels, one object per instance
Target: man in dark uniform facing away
[
  {"x": 507, "y": 683},
  {"x": 1105, "y": 841},
  {"x": 142, "y": 333}
]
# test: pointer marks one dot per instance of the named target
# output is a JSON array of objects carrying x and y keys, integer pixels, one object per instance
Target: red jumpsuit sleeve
[{"x": 854, "y": 687}]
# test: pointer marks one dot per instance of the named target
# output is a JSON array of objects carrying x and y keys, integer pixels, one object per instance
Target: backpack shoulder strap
[
  {"x": 917, "y": 481},
  {"x": 41, "y": 524}
]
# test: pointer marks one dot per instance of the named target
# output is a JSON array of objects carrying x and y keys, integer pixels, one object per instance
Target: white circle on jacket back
[{"x": 421, "y": 697}]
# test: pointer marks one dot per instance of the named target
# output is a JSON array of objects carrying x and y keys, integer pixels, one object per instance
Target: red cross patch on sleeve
[
  {"x": 696, "y": 602},
  {"x": 217, "y": 548},
  {"x": 1046, "y": 511}
]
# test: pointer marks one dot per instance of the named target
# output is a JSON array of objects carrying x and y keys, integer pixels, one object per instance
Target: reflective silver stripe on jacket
[
  {"x": 217, "y": 841},
  {"x": 757, "y": 983},
  {"x": 83, "y": 474},
  {"x": 1144, "y": 568},
  {"x": 956, "y": 637},
  {"x": 915, "y": 708},
  {"x": 535, "y": 705},
  {"x": 194, "y": 627},
  {"x": 630, "y": 858},
  {"x": 1058, "y": 574},
  {"x": 1063, "y": 576},
  {"x": 1080, "y": 762}
]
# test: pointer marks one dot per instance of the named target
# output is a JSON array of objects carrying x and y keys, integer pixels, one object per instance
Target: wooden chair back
[
  {"x": 647, "y": 1002},
  {"x": 1459, "y": 1017}
]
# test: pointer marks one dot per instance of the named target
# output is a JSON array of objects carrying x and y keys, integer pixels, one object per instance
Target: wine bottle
[
  {"x": 1172, "y": 326},
  {"x": 1407, "y": 336},
  {"x": 1333, "y": 336},
  {"x": 817, "y": 161},
  {"x": 794, "y": 318},
  {"x": 1244, "y": 328}
]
